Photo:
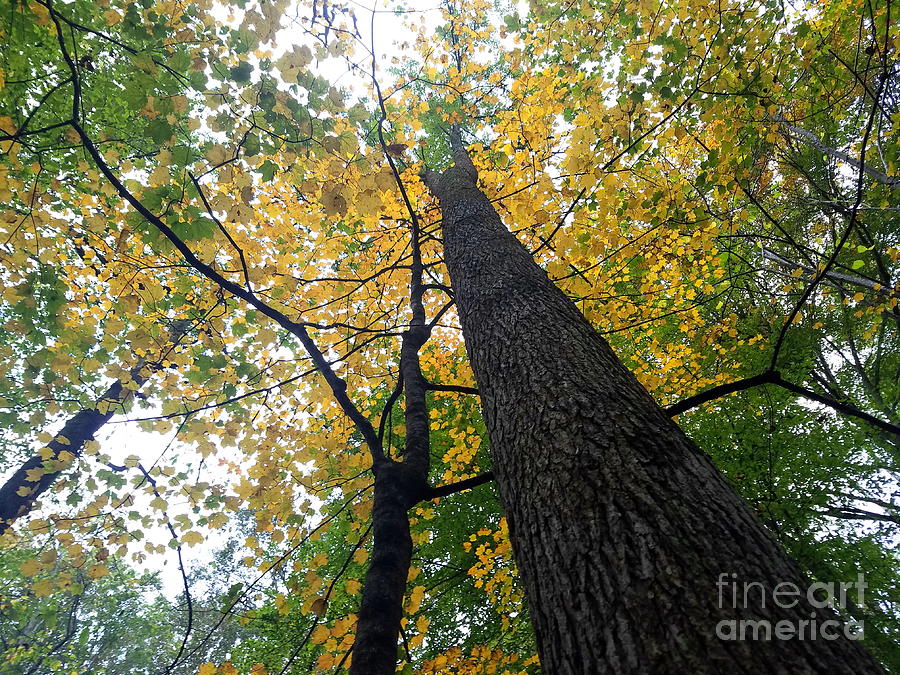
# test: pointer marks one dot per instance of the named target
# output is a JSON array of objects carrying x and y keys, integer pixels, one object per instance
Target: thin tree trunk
[
  {"x": 398, "y": 486},
  {"x": 381, "y": 605},
  {"x": 625, "y": 534}
]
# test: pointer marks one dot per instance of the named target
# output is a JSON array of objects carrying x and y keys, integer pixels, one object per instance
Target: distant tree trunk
[
  {"x": 40, "y": 471},
  {"x": 622, "y": 528}
]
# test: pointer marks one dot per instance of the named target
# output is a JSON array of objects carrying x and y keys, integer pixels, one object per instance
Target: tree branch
[
  {"x": 459, "y": 486},
  {"x": 431, "y": 386},
  {"x": 774, "y": 377}
]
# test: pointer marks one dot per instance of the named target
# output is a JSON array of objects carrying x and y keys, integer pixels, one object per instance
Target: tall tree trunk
[{"x": 625, "y": 534}]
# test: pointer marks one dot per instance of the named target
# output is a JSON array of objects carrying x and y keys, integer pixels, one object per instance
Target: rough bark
[
  {"x": 381, "y": 606},
  {"x": 398, "y": 486},
  {"x": 621, "y": 526}
]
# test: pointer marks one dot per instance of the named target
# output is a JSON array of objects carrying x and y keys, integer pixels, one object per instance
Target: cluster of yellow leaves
[
  {"x": 495, "y": 571},
  {"x": 480, "y": 660},
  {"x": 65, "y": 570}
]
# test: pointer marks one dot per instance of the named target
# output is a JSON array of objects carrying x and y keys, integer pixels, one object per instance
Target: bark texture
[
  {"x": 381, "y": 606},
  {"x": 398, "y": 486},
  {"x": 620, "y": 525}
]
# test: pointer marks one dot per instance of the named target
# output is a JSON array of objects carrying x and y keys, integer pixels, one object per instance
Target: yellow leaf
[
  {"x": 30, "y": 567},
  {"x": 42, "y": 588},
  {"x": 97, "y": 571},
  {"x": 208, "y": 669},
  {"x": 320, "y": 634},
  {"x": 415, "y": 599},
  {"x": 159, "y": 503},
  {"x": 352, "y": 586},
  {"x": 192, "y": 538},
  {"x": 111, "y": 17}
]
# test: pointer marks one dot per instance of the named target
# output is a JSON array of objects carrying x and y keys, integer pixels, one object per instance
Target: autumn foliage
[{"x": 214, "y": 235}]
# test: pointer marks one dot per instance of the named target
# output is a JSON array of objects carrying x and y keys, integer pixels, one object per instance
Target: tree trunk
[
  {"x": 19, "y": 493},
  {"x": 398, "y": 487},
  {"x": 381, "y": 606},
  {"x": 625, "y": 534}
]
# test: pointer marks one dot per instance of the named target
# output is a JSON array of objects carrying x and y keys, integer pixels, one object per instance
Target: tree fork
[{"x": 623, "y": 529}]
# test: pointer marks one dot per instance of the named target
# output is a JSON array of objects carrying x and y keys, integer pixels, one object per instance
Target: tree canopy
[{"x": 215, "y": 231}]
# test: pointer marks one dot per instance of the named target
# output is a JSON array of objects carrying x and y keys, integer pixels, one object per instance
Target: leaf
[
  {"x": 112, "y": 17},
  {"x": 192, "y": 538},
  {"x": 241, "y": 73},
  {"x": 319, "y": 606},
  {"x": 159, "y": 130},
  {"x": 42, "y": 588},
  {"x": 30, "y": 568},
  {"x": 97, "y": 571},
  {"x": 320, "y": 635}
]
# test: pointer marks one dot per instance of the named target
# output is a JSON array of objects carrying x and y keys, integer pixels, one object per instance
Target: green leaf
[
  {"x": 268, "y": 169},
  {"x": 241, "y": 73},
  {"x": 159, "y": 130}
]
